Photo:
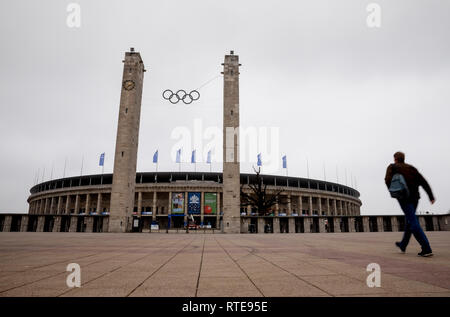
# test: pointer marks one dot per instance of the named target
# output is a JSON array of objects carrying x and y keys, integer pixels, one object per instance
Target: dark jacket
[{"x": 412, "y": 177}]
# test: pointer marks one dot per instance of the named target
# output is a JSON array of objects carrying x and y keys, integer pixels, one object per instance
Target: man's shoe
[
  {"x": 399, "y": 245},
  {"x": 425, "y": 253}
]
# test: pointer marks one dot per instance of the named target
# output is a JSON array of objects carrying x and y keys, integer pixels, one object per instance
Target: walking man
[{"x": 409, "y": 203}]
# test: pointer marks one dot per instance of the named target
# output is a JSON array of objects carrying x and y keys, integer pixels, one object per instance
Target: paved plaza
[{"x": 194, "y": 264}]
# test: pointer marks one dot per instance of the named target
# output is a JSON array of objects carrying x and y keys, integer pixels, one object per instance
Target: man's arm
[
  {"x": 388, "y": 177},
  {"x": 422, "y": 182}
]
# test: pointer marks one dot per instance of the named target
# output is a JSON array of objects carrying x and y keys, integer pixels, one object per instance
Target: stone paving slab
[{"x": 247, "y": 265}]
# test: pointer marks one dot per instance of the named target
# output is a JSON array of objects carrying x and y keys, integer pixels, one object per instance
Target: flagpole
[
  {"x": 64, "y": 171},
  {"x": 307, "y": 167},
  {"x": 82, "y": 161},
  {"x": 337, "y": 175},
  {"x": 43, "y": 174},
  {"x": 103, "y": 168}
]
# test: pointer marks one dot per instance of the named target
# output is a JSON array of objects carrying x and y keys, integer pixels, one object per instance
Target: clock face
[{"x": 128, "y": 84}]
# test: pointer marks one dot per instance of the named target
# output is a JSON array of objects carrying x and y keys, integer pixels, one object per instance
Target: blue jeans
[{"x": 412, "y": 226}]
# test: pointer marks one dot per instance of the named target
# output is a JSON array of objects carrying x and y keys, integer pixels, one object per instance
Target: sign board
[
  {"x": 178, "y": 203},
  {"x": 210, "y": 203},
  {"x": 194, "y": 203}
]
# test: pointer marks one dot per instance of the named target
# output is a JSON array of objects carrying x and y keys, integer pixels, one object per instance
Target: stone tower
[
  {"x": 124, "y": 177},
  {"x": 231, "y": 170}
]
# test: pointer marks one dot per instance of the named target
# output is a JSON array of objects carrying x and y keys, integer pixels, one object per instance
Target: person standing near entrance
[{"x": 401, "y": 173}]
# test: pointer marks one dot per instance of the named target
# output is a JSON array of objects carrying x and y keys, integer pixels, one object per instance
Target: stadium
[{"x": 170, "y": 200}]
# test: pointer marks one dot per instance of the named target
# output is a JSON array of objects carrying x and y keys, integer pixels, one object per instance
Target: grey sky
[{"x": 342, "y": 94}]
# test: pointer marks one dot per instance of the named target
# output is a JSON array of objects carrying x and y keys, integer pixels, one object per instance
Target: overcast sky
[{"x": 344, "y": 96}]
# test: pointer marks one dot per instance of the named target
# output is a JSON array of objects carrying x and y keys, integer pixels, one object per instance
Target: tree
[{"x": 258, "y": 198}]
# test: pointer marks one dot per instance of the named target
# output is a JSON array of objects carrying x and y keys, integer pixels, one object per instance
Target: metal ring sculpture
[{"x": 181, "y": 95}]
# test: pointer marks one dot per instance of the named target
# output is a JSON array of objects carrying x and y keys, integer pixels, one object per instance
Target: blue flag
[
  {"x": 284, "y": 162},
  {"x": 155, "y": 157},
  {"x": 259, "y": 159},
  {"x": 208, "y": 158},
  {"x": 193, "y": 157},
  {"x": 178, "y": 156},
  {"x": 102, "y": 159}
]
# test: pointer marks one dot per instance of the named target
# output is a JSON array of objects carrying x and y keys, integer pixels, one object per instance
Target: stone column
[
  {"x": 169, "y": 210},
  {"x": 394, "y": 224},
  {"x": 277, "y": 209},
  {"x": 310, "y": 206},
  {"x": 68, "y": 204},
  {"x": 88, "y": 203},
  {"x": 40, "y": 206},
  {"x": 77, "y": 204},
  {"x": 52, "y": 204},
  {"x": 125, "y": 157},
  {"x": 46, "y": 206},
  {"x": 337, "y": 223},
  {"x": 300, "y": 205},
  {"x": 320, "y": 205},
  {"x": 40, "y": 224},
  {"x": 276, "y": 225},
  {"x": 24, "y": 223},
  {"x": 7, "y": 223},
  {"x": 380, "y": 224},
  {"x": 340, "y": 207},
  {"x": 435, "y": 223},
  {"x": 105, "y": 224},
  {"x": 154, "y": 205},
  {"x": 218, "y": 211},
  {"x": 366, "y": 226},
  {"x": 89, "y": 223},
  {"x": 73, "y": 223},
  {"x": 231, "y": 164},
  {"x": 139, "y": 204},
  {"x": 289, "y": 206},
  {"x": 322, "y": 225},
  {"x": 291, "y": 225},
  {"x": 59, "y": 205},
  {"x": 261, "y": 224},
  {"x": 335, "y": 212},
  {"x": 328, "y": 206},
  {"x": 351, "y": 224},
  {"x": 202, "y": 207},
  {"x": 307, "y": 224},
  {"x": 244, "y": 225},
  {"x": 57, "y": 224},
  {"x": 99, "y": 203}
]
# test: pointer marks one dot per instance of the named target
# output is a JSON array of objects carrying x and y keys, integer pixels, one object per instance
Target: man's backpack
[{"x": 398, "y": 188}]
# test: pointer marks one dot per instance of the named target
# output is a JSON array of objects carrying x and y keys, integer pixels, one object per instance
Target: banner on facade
[
  {"x": 177, "y": 203},
  {"x": 210, "y": 203},
  {"x": 194, "y": 203}
]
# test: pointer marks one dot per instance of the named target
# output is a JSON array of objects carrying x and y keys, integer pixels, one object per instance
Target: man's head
[{"x": 399, "y": 157}]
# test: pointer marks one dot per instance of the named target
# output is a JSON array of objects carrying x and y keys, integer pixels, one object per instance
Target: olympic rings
[{"x": 182, "y": 95}]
